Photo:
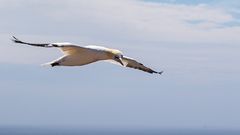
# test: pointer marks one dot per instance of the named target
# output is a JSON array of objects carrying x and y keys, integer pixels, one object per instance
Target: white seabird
[{"x": 75, "y": 55}]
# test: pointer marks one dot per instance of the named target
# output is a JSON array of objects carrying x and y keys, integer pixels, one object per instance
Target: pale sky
[{"x": 196, "y": 43}]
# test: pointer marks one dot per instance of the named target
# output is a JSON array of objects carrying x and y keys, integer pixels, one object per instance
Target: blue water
[{"x": 75, "y": 131}]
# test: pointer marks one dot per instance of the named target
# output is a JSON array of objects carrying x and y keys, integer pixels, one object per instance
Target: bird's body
[
  {"x": 78, "y": 56},
  {"x": 75, "y": 55}
]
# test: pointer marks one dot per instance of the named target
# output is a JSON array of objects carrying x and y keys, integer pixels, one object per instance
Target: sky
[{"x": 195, "y": 43}]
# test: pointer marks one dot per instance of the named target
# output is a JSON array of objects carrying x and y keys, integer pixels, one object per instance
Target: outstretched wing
[
  {"x": 131, "y": 63},
  {"x": 67, "y": 48},
  {"x": 32, "y": 44}
]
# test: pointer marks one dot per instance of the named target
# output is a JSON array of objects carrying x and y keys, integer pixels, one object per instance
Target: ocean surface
[{"x": 75, "y": 131}]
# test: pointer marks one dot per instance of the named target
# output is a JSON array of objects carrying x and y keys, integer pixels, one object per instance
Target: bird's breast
[{"x": 78, "y": 59}]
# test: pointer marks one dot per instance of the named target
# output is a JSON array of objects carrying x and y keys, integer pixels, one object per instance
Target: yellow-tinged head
[
  {"x": 115, "y": 51},
  {"x": 116, "y": 55}
]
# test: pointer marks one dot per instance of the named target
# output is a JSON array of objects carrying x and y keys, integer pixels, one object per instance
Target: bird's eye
[{"x": 116, "y": 57}]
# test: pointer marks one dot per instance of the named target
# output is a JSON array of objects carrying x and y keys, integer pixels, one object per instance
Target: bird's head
[{"x": 117, "y": 56}]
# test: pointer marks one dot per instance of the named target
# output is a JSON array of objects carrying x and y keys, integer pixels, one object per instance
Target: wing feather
[
  {"x": 66, "y": 48},
  {"x": 16, "y": 40},
  {"x": 72, "y": 49},
  {"x": 132, "y": 63}
]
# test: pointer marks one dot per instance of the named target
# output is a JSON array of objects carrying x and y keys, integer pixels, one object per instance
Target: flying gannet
[{"x": 75, "y": 55}]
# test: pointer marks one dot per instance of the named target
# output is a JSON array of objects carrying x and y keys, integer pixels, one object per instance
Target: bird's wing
[
  {"x": 67, "y": 48},
  {"x": 15, "y": 40},
  {"x": 132, "y": 63}
]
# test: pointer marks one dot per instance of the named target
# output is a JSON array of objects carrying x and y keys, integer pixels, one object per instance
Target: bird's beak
[{"x": 120, "y": 61}]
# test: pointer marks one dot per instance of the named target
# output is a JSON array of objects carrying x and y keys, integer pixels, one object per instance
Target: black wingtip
[
  {"x": 160, "y": 72},
  {"x": 15, "y": 40}
]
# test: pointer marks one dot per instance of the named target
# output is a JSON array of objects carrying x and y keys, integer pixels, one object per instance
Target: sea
[{"x": 79, "y": 131}]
